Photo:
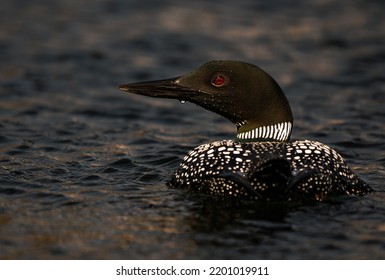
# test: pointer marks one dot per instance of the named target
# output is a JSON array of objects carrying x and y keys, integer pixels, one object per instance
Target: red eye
[{"x": 218, "y": 81}]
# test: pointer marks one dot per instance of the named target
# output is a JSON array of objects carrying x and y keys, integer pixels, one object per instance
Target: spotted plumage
[
  {"x": 262, "y": 164},
  {"x": 268, "y": 171}
]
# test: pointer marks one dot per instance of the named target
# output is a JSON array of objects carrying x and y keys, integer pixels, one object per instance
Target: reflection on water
[{"x": 83, "y": 167}]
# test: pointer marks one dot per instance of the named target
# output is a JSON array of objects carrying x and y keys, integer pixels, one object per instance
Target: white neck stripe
[{"x": 279, "y": 132}]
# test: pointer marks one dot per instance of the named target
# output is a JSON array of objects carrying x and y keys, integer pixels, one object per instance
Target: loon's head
[{"x": 239, "y": 91}]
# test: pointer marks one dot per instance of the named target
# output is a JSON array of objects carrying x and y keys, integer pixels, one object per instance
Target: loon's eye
[{"x": 218, "y": 81}]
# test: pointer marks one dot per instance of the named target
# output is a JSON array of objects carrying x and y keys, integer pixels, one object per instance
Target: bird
[{"x": 261, "y": 163}]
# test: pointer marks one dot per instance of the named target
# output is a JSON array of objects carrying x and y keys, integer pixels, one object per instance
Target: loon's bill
[{"x": 168, "y": 88}]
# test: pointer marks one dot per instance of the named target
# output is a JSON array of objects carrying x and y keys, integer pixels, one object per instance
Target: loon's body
[
  {"x": 261, "y": 164},
  {"x": 298, "y": 170}
]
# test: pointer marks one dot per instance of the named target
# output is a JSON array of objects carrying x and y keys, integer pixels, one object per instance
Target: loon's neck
[{"x": 279, "y": 132}]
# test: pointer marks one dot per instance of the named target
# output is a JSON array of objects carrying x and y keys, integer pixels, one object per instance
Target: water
[{"x": 83, "y": 166}]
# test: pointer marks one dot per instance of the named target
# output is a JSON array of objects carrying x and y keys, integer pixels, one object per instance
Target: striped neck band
[{"x": 277, "y": 132}]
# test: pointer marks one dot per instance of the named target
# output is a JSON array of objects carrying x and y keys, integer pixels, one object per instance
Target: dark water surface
[{"x": 83, "y": 167}]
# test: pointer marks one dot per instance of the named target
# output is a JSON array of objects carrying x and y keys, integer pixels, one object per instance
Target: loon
[{"x": 261, "y": 163}]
